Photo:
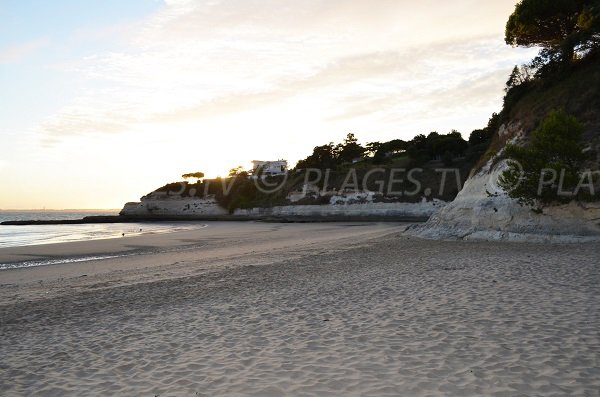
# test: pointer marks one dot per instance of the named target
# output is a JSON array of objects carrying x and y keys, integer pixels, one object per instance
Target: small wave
[
  {"x": 19, "y": 265},
  {"x": 18, "y": 236}
]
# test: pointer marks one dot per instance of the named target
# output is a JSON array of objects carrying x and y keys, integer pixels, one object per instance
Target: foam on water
[{"x": 18, "y": 265}]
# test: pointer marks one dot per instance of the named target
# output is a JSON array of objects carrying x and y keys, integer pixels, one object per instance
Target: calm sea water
[
  {"x": 50, "y": 215},
  {"x": 14, "y": 236}
]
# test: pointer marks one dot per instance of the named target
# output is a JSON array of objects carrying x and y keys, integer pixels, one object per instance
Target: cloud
[
  {"x": 205, "y": 59},
  {"x": 20, "y": 51}
]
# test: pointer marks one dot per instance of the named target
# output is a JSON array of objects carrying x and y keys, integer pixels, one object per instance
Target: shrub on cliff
[{"x": 550, "y": 165}]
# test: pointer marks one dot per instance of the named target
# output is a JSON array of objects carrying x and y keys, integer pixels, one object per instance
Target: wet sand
[{"x": 304, "y": 309}]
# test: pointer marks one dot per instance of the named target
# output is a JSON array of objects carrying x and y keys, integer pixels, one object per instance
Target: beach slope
[{"x": 346, "y": 309}]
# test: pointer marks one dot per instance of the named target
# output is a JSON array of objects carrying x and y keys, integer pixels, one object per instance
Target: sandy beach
[{"x": 344, "y": 309}]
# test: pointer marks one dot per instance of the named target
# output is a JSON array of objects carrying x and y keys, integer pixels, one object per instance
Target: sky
[{"x": 103, "y": 101}]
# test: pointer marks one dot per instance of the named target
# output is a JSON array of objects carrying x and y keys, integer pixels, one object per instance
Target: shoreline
[
  {"x": 218, "y": 218},
  {"x": 216, "y": 241}
]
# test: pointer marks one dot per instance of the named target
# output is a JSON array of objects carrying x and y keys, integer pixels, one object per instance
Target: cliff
[
  {"x": 341, "y": 207},
  {"x": 482, "y": 210}
]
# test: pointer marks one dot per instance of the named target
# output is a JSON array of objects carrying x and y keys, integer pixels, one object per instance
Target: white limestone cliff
[
  {"x": 156, "y": 206},
  {"x": 483, "y": 211},
  {"x": 341, "y": 210},
  {"x": 350, "y": 205}
]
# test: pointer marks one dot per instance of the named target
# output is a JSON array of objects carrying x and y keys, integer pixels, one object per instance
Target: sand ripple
[{"x": 398, "y": 317}]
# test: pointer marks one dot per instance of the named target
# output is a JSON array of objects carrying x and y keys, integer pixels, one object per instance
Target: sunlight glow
[{"x": 97, "y": 116}]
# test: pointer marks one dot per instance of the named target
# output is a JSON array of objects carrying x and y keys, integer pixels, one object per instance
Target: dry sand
[{"x": 303, "y": 309}]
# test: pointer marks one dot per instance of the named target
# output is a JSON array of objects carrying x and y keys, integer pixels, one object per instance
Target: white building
[{"x": 269, "y": 168}]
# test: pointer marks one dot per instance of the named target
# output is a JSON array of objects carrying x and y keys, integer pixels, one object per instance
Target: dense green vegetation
[
  {"x": 565, "y": 29},
  {"x": 568, "y": 32},
  {"x": 549, "y": 168},
  {"x": 419, "y": 150},
  {"x": 196, "y": 175},
  {"x": 396, "y": 170},
  {"x": 565, "y": 75}
]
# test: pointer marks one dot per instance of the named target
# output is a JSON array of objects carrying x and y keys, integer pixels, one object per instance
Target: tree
[
  {"x": 486, "y": 134},
  {"x": 520, "y": 80},
  {"x": 518, "y": 76},
  {"x": 479, "y": 136},
  {"x": 349, "y": 149},
  {"x": 417, "y": 148},
  {"x": 373, "y": 147},
  {"x": 589, "y": 25},
  {"x": 451, "y": 144},
  {"x": 558, "y": 26},
  {"x": 382, "y": 151},
  {"x": 434, "y": 146},
  {"x": 419, "y": 142},
  {"x": 555, "y": 151},
  {"x": 322, "y": 157},
  {"x": 238, "y": 171},
  {"x": 395, "y": 146},
  {"x": 198, "y": 175}
]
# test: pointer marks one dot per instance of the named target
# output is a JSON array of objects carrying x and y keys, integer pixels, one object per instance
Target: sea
[{"x": 17, "y": 236}]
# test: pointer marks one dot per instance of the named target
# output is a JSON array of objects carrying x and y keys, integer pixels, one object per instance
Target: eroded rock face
[
  {"x": 382, "y": 211},
  {"x": 155, "y": 206},
  {"x": 350, "y": 206},
  {"x": 483, "y": 211}
]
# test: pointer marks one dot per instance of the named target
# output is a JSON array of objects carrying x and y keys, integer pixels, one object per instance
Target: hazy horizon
[
  {"x": 58, "y": 209},
  {"x": 104, "y": 103}
]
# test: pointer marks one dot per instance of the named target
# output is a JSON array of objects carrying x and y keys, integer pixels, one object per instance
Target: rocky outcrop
[
  {"x": 157, "y": 206},
  {"x": 483, "y": 211},
  {"x": 367, "y": 211},
  {"x": 351, "y": 206}
]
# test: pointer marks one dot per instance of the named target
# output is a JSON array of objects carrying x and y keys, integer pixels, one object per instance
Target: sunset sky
[{"x": 103, "y": 101}]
